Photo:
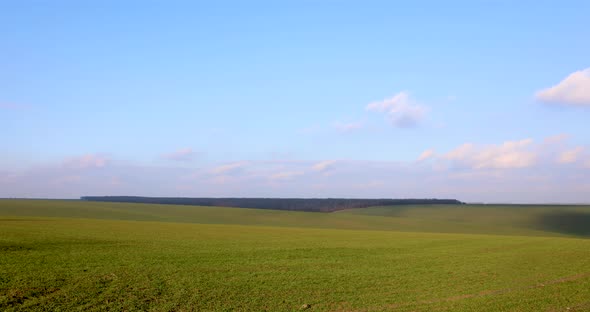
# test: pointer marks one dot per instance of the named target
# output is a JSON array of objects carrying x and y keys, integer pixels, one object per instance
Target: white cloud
[
  {"x": 286, "y": 175},
  {"x": 573, "y": 90},
  {"x": 510, "y": 154},
  {"x": 400, "y": 110},
  {"x": 86, "y": 161},
  {"x": 348, "y": 126},
  {"x": 426, "y": 155},
  {"x": 229, "y": 168},
  {"x": 324, "y": 165},
  {"x": 570, "y": 156},
  {"x": 185, "y": 154}
]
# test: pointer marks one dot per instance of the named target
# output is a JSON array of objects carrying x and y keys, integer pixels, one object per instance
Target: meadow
[{"x": 87, "y": 256}]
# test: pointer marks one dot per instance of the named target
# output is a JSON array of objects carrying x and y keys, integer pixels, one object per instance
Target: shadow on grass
[
  {"x": 6, "y": 248},
  {"x": 566, "y": 222}
]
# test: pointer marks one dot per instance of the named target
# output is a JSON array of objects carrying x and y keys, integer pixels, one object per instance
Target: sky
[{"x": 482, "y": 101}]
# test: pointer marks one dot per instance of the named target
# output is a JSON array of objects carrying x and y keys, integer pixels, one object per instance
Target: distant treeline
[{"x": 297, "y": 204}]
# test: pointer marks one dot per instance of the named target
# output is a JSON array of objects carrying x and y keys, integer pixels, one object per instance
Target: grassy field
[{"x": 72, "y": 255}]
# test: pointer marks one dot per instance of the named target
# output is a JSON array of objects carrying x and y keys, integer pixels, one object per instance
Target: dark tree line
[{"x": 295, "y": 204}]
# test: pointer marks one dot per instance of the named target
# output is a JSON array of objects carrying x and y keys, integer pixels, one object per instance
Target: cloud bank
[{"x": 512, "y": 171}]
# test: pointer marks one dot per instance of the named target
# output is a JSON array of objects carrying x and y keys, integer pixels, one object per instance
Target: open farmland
[
  {"x": 75, "y": 255},
  {"x": 317, "y": 156}
]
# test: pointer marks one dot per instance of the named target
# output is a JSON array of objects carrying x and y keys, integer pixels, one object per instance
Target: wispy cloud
[
  {"x": 426, "y": 155},
  {"x": 451, "y": 98},
  {"x": 286, "y": 175},
  {"x": 400, "y": 110},
  {"x": 556, "y": 139},
  {"x": 70, "y": 179},
  {"x": 570, "y": 156},
  {"x": 573, "y": 90},
  {"x": 86, "y": 161},
  {"x": 348, "y": 126},
  {"x": 313, "y": 129},
  {"x": 324, "y": 166},
  {"x": 229, "y": 168},
  {"x": 185, "y": 154}
]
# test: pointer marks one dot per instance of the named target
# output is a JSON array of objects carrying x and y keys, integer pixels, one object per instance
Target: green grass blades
[{"x": 92, "y": 263}]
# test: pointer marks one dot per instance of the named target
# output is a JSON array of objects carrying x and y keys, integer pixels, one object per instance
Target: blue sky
[{"x": 296, "y": 98}]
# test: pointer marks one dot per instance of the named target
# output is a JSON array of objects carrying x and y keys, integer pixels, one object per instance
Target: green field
[{"x": 74, "y": 255}]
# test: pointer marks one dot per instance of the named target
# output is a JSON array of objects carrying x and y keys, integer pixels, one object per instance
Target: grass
[{"x": 70, "y": 255}]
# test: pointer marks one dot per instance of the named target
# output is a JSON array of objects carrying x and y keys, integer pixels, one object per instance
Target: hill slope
[{"x": 475, "y": 219}]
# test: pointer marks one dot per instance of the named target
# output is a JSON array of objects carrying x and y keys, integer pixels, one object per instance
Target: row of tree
[{"x": 295, "y": 204}]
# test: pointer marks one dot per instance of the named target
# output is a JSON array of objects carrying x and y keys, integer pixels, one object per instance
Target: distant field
[
  {"x": 73, "y": 255},
  {"x": 474, "y": 219}
]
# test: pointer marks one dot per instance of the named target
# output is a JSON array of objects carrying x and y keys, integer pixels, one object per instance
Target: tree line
[{"x": 293, "y": 204}]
